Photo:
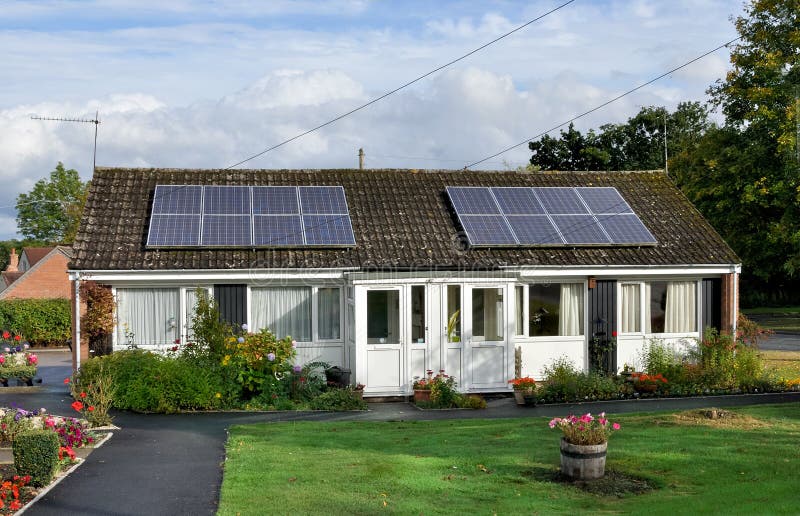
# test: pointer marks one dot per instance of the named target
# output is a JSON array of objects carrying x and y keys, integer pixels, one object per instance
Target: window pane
[
  {"x": 519, "y": 291},
  {"x": 556, "y": 309},
  {"x": 328, "y": 313},
  {"x": 454, "y": 313},
  {"x": 487, "y": 314},
  {"x": 383, "y": 317},
  {"x": 191, "y": 308},
  {"x": 418, "y": 313},
  {"x": 544, "y": 302},
  {"x": 151, "y": 316},
  {"x": 656, "y": 302},
  {"x": 630, "y": 322},
  {"x": 285, "y": 311}
]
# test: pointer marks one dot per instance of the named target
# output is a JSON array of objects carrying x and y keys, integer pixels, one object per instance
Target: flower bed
[{"x": 16, "y": 361}]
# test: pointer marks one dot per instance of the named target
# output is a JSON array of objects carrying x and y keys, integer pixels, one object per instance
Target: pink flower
[
  {"x": 615, "y": 426},
  {"x": 2, "y": 359}
]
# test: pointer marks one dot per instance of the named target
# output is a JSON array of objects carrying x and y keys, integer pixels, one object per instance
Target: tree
[{"x": 52, "y": 210}]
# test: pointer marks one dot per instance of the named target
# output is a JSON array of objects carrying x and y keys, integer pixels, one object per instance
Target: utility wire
[
  {"x": 604, "y": 104},
  {"x": 407, "y": 84}
]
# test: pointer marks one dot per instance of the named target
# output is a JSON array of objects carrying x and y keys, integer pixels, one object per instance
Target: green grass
[
  {"x": 785, "y": 363},
  {"x": 746, "y": 465},
  {"x": 780, "y": 319}
]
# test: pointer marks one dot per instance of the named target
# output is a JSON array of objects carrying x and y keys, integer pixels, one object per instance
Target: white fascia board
[
  {"x": 617, "y": 270},
  {"x": 206, "y": 276}
]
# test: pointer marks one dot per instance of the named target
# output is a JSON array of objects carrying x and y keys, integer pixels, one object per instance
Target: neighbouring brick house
[
  {"x": 37, "y": 273},
  {"x": 393, "y": 272}
]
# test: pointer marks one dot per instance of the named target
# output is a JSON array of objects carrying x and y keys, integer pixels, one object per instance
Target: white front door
[
  {"x": 419, "y": 360},
  {"x": 487, "y": 357},
  {"x": 385, "y": 371}
]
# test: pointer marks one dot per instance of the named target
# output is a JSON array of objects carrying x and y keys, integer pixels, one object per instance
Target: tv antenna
[{"x": 95, "y": 121}]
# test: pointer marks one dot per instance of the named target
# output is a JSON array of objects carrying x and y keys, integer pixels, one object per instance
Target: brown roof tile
[{"x": 401, "y": 219}]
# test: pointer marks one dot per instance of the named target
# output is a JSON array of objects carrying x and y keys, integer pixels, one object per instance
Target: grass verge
[
  {"x": 785, "y": 363},
  {"x": 745, "y": 461}
]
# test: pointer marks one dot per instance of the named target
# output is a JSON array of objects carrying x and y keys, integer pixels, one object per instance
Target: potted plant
[
  {"x": 647, "y": 382},
  {"x": 422, "y": 387},
  {"x": 523, "y": 388},
  {"x": 16, "y": 361},
  {"x": 583, "y": 444}
]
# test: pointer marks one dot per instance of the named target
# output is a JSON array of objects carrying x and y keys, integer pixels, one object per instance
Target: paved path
[
  {"x": 171, "y": 464},
  {"x": 781, "y": 341}
]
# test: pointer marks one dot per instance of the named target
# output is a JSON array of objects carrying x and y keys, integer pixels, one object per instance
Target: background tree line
[{"x": 743, "y": 174}]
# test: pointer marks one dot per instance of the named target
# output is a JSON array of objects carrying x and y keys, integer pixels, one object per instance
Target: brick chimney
[{"x": 13, "y": 261}]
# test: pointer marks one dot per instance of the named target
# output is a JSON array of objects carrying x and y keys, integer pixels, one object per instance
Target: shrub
[
  {"x": 715, "y": 355},
  {"x": 95, "y": 392},
  {"x": 36, "y": 454},
  {"x": 42, "y": 321},
  {"x": 660, "y": 358},
  {"x": 562, "y": 381},
  {"x": 748, "y": 368},
  {"x": 255, "y": 357},
  {"x": 338, "y": 399},
  {"x": 471, "y": 402},
  {"x": 13, "y": 422},
  {"x": 210, "y": 332}
]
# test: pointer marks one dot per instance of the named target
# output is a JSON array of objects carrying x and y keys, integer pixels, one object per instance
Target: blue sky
[{"x": 205, "y": 84}]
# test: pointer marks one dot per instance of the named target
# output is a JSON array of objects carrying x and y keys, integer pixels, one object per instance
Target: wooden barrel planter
[
  {"x": 583, "y": 462},
  {"x": 422, "y": 395}
]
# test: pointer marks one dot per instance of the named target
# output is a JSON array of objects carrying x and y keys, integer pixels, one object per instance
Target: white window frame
[
  {"x": 526, "y": 308},
  {"x": 642, "y": 301}
]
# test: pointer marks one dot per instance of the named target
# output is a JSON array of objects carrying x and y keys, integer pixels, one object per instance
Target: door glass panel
[
  {"x": 487, "y": 314},
  {"x": 418, "y": 313},
  {"x": 520, "y": 329},
  {"x": 328, "y": 316},
  {"x": 383, "y": 317},
  {"x": 453, "y": 313}
]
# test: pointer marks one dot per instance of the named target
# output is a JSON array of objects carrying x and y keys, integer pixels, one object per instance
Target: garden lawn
[
  {"x": 779, "y": 319},
  {"x": 746, "y": 464},
  {"x": 785, "y": 363}
]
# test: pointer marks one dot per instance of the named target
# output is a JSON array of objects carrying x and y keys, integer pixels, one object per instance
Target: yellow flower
[
  {"x": 218, "y": 395},
  {"x": 226, "y": 359}
]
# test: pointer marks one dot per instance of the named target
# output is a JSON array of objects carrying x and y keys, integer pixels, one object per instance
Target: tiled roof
[
  {"x": 401, "y": 219},
  {"x": 35, "y": 254},
  {"x": 10, "y": 277}
]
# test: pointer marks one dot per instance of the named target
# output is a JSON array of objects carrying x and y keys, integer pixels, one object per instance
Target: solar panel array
[
  {"x": 547, "y": 216},
  {"x": 249, "y": 216}
]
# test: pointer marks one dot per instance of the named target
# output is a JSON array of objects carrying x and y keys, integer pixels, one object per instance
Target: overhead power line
[
  {"x": 604, "y": 104},
  {"x": 407, "y": 84}
]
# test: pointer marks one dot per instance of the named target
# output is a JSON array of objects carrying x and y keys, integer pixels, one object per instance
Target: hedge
[
  {"x": 36, "y": 454},
  {"x": 39, "y": 321}
]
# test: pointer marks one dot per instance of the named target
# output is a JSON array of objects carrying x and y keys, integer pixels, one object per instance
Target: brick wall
[
  {"x": 730, "y": 302},
  {"x": 48, "y": 281}
]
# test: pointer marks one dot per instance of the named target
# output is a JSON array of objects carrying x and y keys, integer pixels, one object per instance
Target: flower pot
[
  {"x": 358, "y": 394},
  {"x": 645, "y": 387},
  {"x": 583, "y": 462},
  {"x": 422, "y": 395},
  {"x": 519, "y": 397},
  {"x": 524, "y": 397}
]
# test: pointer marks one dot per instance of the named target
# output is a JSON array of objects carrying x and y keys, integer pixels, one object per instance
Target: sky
[{"x": 206, "y": 84}]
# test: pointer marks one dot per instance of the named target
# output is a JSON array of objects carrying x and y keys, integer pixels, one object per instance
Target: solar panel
[
  {"x": 626, "y": 229},
  {"x": 580, "y": 229},
  {"x": 472, "y": 200},
  {"x": 487, "y": 230},
  {"x": 323, "y": 200},
  {"x": 177, "y": 199},
  {"x": 174, "y": 230},
  {"x": 517, "y": 201},
  {"x": 562, "y": 201},
  {"x": 226, "y": 200},
  {"x": 534, "y": 229},
  {"x": 275, "y": 200},
  {"x": 328, "y": 230},
  {"x": 226, "y": 230},
  {"x": 237, "y": 216},
  {"x": 277, "y": 230},
  {"x": 604, "y": 200},
  {"x": 547, "y": 216}
]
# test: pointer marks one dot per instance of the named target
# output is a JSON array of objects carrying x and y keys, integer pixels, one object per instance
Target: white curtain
[
  {"x": 285, "y": 311},
  {"x": 630, "y": 308},
  {"x": 648, "y": 302},
  {"x": 151, "y": 315},
  {"x": 328, "y": 313},
  {"x": 680, "y": 316},
  {"x": 570, "y": 313}
]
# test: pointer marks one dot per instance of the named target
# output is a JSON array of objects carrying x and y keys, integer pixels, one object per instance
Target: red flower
[
  {"x": 66, "y": 381},
  {"x": 177, "y": 341},
  {"x": 77, "y": 405},
  {"x": 6, "y": 335},
  {"x": 15, "y": 505},
  {"x": 91, "y": 408},
  {"x": 614, "y": 333},
  {"x": 83, "y": 395},
  {"x": 17, "y": 337},
  {"x": 174, "y": 348}
]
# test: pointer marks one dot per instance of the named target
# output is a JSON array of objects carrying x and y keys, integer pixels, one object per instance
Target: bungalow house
[
  {"x": 393, "y": 272},
  {"x": 36, "y": 273}
]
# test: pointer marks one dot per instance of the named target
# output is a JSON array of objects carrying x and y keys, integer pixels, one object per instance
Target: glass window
[
  {"x": 672, "y": 307},
  {"x": 631, "y": 319},
  {"x": 329, "y": 313},
  {"x": 487, "y": 314},
  {"x": 520, "y": 315},
  {"x": 285, "y": 311},
  {"x": 148, "y": 316},
  {"x": 351, "y": 322},
  {"x": 383, "y": 317},
  {"x": 555, "y": 309},
  {"x": 453, "y": 313},
  {"x": 655, "y": 305},
  {"x": 418, "y": 313},
  {"x": 191, "y": 308}
]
